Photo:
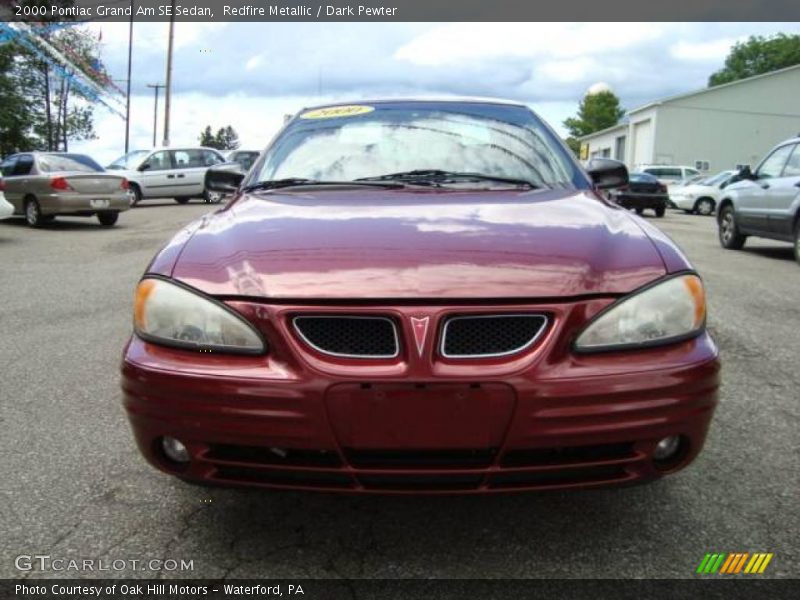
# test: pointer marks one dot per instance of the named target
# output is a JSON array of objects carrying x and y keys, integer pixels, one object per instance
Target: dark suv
[{"x": 764, "y": 202}]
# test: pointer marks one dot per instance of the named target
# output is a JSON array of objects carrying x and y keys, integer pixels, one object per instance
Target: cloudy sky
[{"x": 249, "y": 75}]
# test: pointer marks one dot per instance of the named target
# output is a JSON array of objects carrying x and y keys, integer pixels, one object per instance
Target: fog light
[
  {"x": 667, "y": 448},
  {"x": 175, "y": 450}
]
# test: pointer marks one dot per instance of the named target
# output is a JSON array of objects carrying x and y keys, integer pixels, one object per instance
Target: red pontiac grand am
[{"x": 420, "y": 297}]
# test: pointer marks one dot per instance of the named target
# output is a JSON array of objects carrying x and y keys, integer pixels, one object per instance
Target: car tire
[
  {"x": 212, "y": 197},
  {"x": 730, "y": 237},
  {"x": 33, "y": 213},
  {"x": 639, "y": 211},
  {"x": 135, "y": 193},
  {"x": 660, "y": 211},
  {"x": 704, "y": 206},
  {"x": 797, "y": 241},
  {"x": 108, "y": 219},
  {"x": 182, "y": 200}
]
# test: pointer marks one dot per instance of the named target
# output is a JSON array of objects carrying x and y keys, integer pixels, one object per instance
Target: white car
[
  {"x": 177, "y": 173},
  {"x": 668, "y": 174},
  {"x": 6, "y": 208},
  {"x": 703, "y": 196}
]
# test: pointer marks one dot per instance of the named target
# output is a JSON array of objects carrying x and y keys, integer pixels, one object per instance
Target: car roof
[{"x": 431, "y": 99}]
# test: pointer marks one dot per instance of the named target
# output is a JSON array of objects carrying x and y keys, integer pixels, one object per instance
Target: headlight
[
  {"x": 667, "y": 312},
  {"x": 170, "y": 314}
]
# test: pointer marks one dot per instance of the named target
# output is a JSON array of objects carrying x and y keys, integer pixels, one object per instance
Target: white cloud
[
  {"x": 713, "y": 50},
  {"x": 458, "y": 42},
  {"x": 253, "y": 62}
]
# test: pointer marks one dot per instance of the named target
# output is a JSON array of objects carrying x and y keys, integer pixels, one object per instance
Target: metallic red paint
[
  {"x": 544, "y": 418},
  {"x": 356, "y": 243}
]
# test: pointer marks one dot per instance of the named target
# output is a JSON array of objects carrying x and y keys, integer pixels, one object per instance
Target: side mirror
[
  {"x": 143, "y": 167},
  {"x": 607, "y": 173},
  {"x": 224, "y": 178},
  {"x": 745, "y": 173}
]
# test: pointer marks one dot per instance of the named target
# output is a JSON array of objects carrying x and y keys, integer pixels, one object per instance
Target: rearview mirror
[
  {"x": 224, "y": 178},
  {"x": 607, "y": 173}
]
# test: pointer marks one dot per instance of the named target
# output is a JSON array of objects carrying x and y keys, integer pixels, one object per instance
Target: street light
[
  {"x": 128, "y": 87},
  {"x": 156, "y": 87}
]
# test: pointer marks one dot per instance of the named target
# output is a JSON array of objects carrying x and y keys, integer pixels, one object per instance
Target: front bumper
[{"x": 545, "y": 419}]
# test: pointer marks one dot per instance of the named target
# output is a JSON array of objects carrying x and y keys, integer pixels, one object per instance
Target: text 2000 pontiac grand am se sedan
[{"x": 420, "y": 296}]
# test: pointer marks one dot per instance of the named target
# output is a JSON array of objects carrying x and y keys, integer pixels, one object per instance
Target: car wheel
[
  {"x": 729, "y": 235},
  {"x": 704, "y": 206},
  {"x": 660, "y": 211},
  {"x": 639, "y": 211},
  {"x": 182, "y": 200},
  {"x": 33, "y": 213},
  {"x": 797, "y": 242},
  {"x": 135, "y": 194},
  {"x": 107, "y": 219},
  {"x": 212, "y": 197}
]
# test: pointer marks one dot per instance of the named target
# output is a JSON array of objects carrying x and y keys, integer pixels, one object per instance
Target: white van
[
  {"x": 177, "y": 173},
  {"x": 668, "y": 174}
]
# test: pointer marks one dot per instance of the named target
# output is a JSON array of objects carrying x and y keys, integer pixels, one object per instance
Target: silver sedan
[{"x": 43, "y": 185}]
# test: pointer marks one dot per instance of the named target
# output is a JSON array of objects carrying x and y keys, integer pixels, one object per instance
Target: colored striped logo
[{"x": 734, "y": 563}]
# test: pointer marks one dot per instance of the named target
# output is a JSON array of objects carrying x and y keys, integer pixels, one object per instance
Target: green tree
[
  {"x": 227, "y": 138},
  {"x": 17, "y": 116},
  {"x": 596, "y": 111},
  {"x": 207, "y": 138},
  {"x": 62, "y": 112},
  {"x": 758, "y": 55}
]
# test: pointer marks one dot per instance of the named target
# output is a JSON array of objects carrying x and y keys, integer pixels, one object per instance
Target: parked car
[
  {"x": 701, "y": 196},
  {"x": 245, "y": 158},
  {"x": 168, "y": 173},
  {"x": 44, "y": 185},
  {"x": 765, "y": 202},
  {"x": 6, "y": 208},
  {"x": 420, "y": 296},
  {"x": 642, "y": 192},
  {"x": 669, "y": 174}
]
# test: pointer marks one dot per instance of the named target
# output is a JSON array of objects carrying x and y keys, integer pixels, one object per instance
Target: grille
[
  {"x": 564, "y": 456},
  {"x": 272, "y": 456},
  {"x": 348, "y": 336},
  {"x": 425, "y": 459},
  {"x": 490, "y": 335}
]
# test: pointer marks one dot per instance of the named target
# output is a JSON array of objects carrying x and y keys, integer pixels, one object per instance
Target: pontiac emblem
[{"x": 420, "y": 327}]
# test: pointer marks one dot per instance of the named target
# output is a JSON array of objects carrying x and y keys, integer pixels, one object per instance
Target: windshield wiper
[
  {"x": 274, "y": 184},
  {"x": 437, "y": 176}
]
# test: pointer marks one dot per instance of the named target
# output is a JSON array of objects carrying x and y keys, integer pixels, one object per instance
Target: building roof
[{"x": 687, "y": 95}]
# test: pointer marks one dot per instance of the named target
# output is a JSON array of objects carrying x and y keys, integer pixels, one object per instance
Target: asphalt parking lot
[{"x": 74, "y": 486}]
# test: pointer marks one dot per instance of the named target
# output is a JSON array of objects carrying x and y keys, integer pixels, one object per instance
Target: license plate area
[{"x": 420, "y": 416}]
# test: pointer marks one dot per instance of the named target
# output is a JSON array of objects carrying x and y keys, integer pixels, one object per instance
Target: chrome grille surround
[
  {"x": 541, "y": 319},
  {"x": 306, "y": 336}
]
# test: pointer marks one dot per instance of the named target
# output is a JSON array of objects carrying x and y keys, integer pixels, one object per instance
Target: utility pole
[
  {"x": 156, "y": 87},
  {"x": 168, "y": 94},
  {"x": 128, "y": 90}
]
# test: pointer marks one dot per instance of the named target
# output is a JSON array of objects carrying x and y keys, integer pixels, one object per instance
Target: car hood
[{"x": 376, "y": 243}]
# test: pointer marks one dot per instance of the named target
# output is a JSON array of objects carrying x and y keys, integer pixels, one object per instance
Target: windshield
[
  {"x": 717, "y": 179},
  {"x": 345, "y": 143},
  {"x": 130, "y": 160},
  {"x": 51, "y": 163}
]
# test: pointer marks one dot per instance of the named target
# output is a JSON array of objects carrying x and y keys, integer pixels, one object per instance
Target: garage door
[{"x": 642, "y": 142}]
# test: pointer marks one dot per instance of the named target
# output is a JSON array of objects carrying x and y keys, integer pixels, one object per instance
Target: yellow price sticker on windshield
[{"x": 332, "y": 112}]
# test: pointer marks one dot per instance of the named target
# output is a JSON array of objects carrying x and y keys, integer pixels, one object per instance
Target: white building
[{"x": 712, "y": 129}]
